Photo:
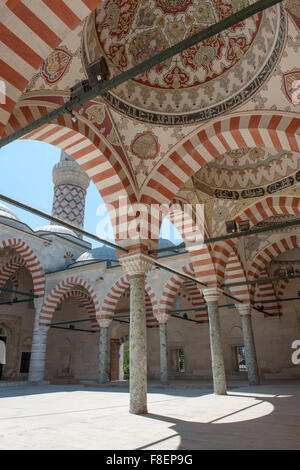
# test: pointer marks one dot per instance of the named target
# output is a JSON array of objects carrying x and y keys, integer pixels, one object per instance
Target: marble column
[
  {"x": 211, "y": 296},
  {"x": 163, "y": 318},
  {"x": 38, "y": 348},
  {"x": 103, "y": 376},
  {"x": 137, "y": 265},
  {"x": 250, "y": 352}
]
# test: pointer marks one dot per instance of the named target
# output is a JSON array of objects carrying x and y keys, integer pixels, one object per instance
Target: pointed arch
[
  {"x": 263, "y": 258},
  {"x": 87, "y": 302},
  {"x": 266, "y": 291},
  {"x": 119, "y": 288},
  {"x": 8, "y": 269},
  {"x": 269, "y": 130},
  {"x": 229, "y": 268},
  {"x": 31, "y": 261},
  {"x": 269, "y": 207},
  {"x": 54, "y": 298}
]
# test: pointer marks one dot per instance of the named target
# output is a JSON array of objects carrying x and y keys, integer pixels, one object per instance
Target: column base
[{"x": 139, "y": 412}]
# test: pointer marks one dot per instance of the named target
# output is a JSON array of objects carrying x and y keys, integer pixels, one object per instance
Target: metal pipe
[
  {"x": 186, "y": 319},
  {"x": 44, "y": 215},
  {"x": 70, "y": 329},
  {"x": 230, "y": 236},
  {"x": 103, "y": 88},
  {"x": 4, "y": 289},
  {"x": 13, "y": 302},
  {"x": 71, "y": 321},
  {"x": 276, "y": 300},
  {"x": 258, "y": 281}
]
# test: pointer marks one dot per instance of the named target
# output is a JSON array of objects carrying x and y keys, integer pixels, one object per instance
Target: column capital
[
  {"x": 136, "y": 263},
  {"x": 162, "y": 318},
  {"x": 211, "y": 294},
  {"x": 104, "y": 322},
  {"x": 244, "y": 309}
]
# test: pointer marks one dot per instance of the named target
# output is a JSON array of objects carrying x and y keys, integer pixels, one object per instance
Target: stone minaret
[{"x": 70, "y": 185}]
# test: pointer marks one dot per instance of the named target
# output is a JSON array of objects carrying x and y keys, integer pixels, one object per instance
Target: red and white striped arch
[
  {"x": 119, "y": 288},
  {"x": 229, "y": 268},
  {"x": 266, "y": 291},
  {"x": 281, "y": 289},
  {"x": 86, "y": 301},
  {"x": 29, "y": 32},
  {"x": 54, "y": 298},
  {"x": 171, "y": 290},
  {"x": 203, "y": 266},
  {"x": 82, "y": 142},
  {"x": 269, "y": 207},
  {"x": 278, "y": 131},
  {"x": 262, "y": 259},
  {"x": 9, "y": 268},
  {"x": 31, "y": 261}
]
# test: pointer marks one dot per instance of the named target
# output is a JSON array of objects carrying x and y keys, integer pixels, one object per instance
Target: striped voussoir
[
  {"x": 8, "y": 270},
  {"x": 202, "y": 261},
  {"x": 281, "y": 290},
  {"x": 87, "y": 302},
  {"x": 80, "y": 141},
  {"x": 190, "y": 227},
  {"x": 113, "y": 296},
  {"x": 196, "y": 298},
  {"x": 171, "y": 290},
  {"x": 229, "y": 268},
  {"x": 29, "y": 32},
  {"x": 269, "y": 253},
  {"x": 31, "y": 261},
  {"x": 266, "y": 291},
  {"x": 270, "y": 207},
  {"x": 54, "y": 298},
  {"x": 278, "y": 131}
]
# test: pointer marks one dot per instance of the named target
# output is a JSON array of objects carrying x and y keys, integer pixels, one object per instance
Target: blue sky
[{"x": 26, "y": 175}]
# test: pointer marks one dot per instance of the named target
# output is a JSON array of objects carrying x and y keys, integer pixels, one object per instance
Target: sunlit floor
[{"x": 87, "y": 417}]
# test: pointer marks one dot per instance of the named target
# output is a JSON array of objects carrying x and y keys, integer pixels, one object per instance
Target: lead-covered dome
[
  {"x": 6, "y": 212},
  {"x": 201, "y": 82},
  {"x": 56, "y": 229}
]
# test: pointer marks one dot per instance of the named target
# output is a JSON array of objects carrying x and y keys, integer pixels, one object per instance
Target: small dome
[
  {"x": 101, "y": 253},
  {"x": 6, "y": 212},
  {"x": 56, "y": 229}
]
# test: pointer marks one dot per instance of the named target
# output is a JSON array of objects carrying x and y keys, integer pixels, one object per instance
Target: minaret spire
[{"x": 70, "y": 185}]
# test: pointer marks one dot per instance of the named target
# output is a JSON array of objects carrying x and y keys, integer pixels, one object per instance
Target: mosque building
[{"x": 210, "y": 139}]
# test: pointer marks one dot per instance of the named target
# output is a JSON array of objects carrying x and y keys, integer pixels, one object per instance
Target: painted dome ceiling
[
  {"x": 203, "y": 81},
  {"x": 248, "y": 173}
]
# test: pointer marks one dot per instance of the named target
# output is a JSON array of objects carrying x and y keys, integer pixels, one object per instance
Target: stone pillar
[
  {"x": 136, "y": 265},
  {"x": 103, "y": 376},
  {"x": 163, "y": 318},
  {"x": 211, "y": 296},
  {"x": 38, "y": 348},
  {"x": 250, "y": 352}
]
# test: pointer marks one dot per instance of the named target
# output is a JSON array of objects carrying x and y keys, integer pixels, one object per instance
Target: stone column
[
  {"x": 103, "y": 376},
  {"x": 163, "y": 318},
  {"x": 250, "y": 352},
  {"x": 38, "y": 348},
  {"x": 136, "y": 265},
  {"x": 211, "y": 296}
]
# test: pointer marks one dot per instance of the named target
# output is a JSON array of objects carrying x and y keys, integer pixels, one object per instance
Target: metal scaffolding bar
[
  {"x": 103, "y": 88},
  {"x": 44, "y": 215},
  {"x": 4, "y": 289},
  {"x": 72, "y": 329},
  {"x": 258, "y": 281},
  {"x": 290, "y": 223},
  {"x": 13, "y": 302}
]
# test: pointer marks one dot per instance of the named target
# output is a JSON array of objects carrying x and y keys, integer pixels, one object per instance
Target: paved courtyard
[{"x": 91, "y": 417}]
